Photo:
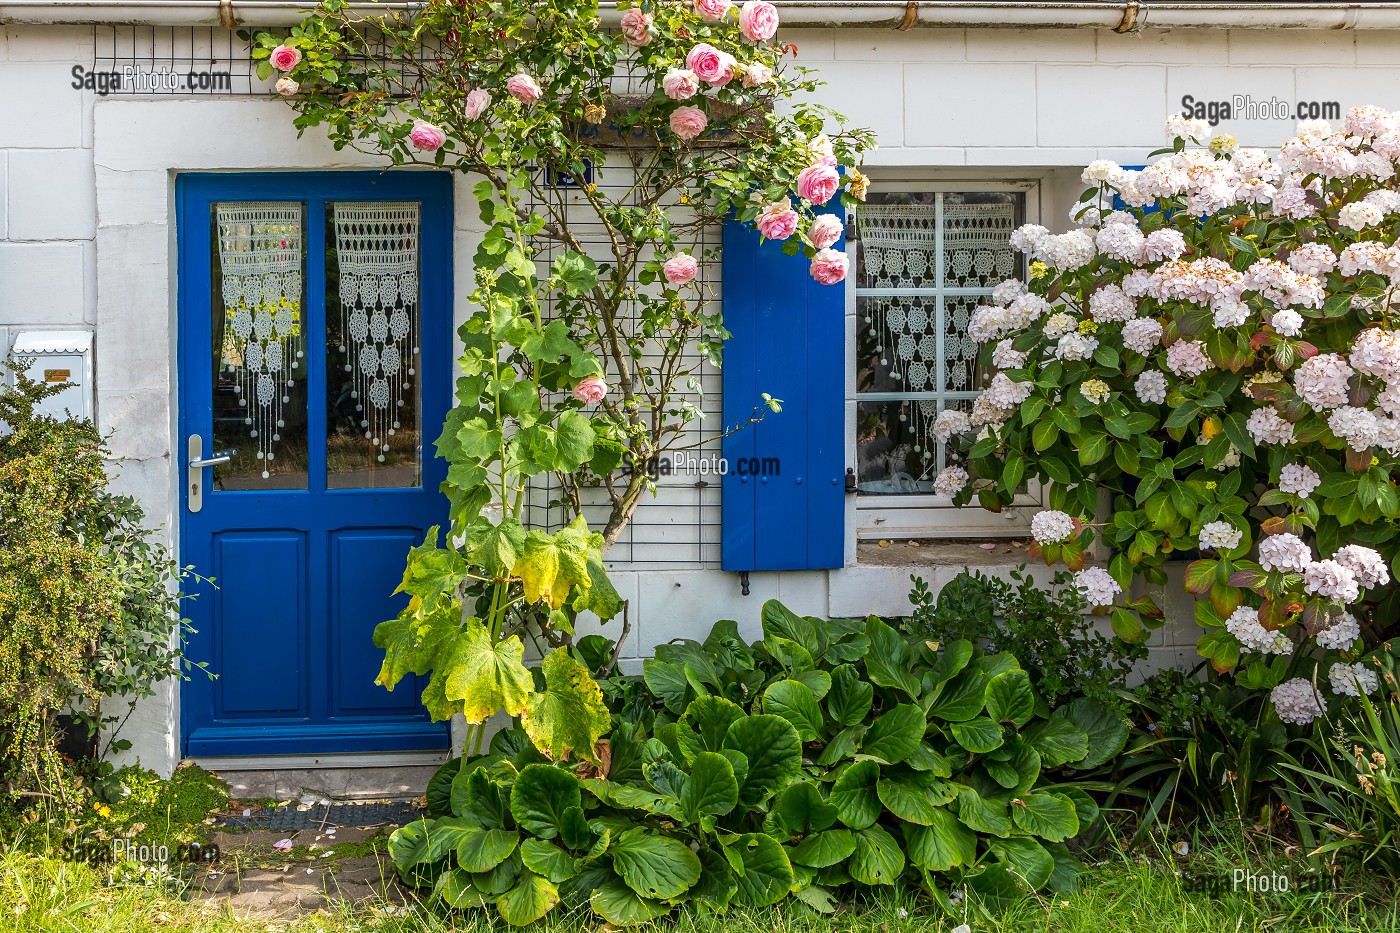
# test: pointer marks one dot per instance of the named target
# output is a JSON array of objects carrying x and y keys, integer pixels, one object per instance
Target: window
[{"x": 926, "y": 258}]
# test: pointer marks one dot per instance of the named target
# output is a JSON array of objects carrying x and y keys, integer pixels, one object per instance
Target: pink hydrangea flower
[
  {"x": 817, "y": 183},
  {"x": 758, "y": 20},
  {"x": 712, "y": 66},
  {"x": 590, "y": 389},
  {"x": 688, "y": 122},
  {"x": 680, "y": 84},
  {"x": 426, "y": 136},
  {"x": 524, "y": 88},
  {"x": 635, "y": 25},
  {"x": 477, "y": 102},
  {"x": 680, "y": 268},
  {"x": 829, "y": 266},
  {"x": 777, "y": 220},
  {"x": 712, "y": 10},
  {"x": 826, "y": 230},
  {"x": 285, "y": 58}
]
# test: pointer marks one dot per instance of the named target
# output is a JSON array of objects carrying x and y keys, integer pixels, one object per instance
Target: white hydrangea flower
[
  {"x": 1180, "y": 126},
  {"x": 1085, "y": 215},
  {"x": 1006, "y": 394},
  {"x": 1111, "y": 304},
  {"x": 1297, "y": 702},
  {"x": 1284, "y": 552},
  {"x": 1151, "y": 387},
  {"x": 1366, "y": 564},
  {"x": 1007, "y": 291},
  {"x": 1098, "y": 587},
  {"x": 1359, "y": 215},
  {"x": 1121, "y": 241},
  {"x": 1315, "y": 259},
  {"x": 1188, "y": 358},
  {"x": 1059, "y": 324},
  {"x": 1222, "y": 536},
  {"x": 1359, "y": 427},
  {"x": 1287, "y": 322},
  {"x": 1076, "y": 346},
  {"x": 1330, "y": 580},
  {"x": 1376, "y": 352},
  {"x": 1028, "y": 237},
  {"x": 1163, "y": 244},
  {"x": 1099, "y": 171},
  {"x": 1006, "y": 356},
  {"x": 1341, "y": 636},
  {"x": 1230, "y": 460},
  {"x": 1068, "y": 251},
  {"x": 1142, "y": 335},
  {"x": 1244, "y": 624},
  {"x": 1298, "y": 479},
  {"x": 1267, "y": 426},
  {"x": 1230, "y": 314},
  {"x": 1051, "y": 526},
  {"x": 950, "y": 423},
  {"x": 950, "y": 481},
  {"x": 1353, "y": 679}
]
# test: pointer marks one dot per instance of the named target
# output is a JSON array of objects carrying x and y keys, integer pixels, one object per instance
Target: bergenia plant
[
  {"x": 1215, "y": 350},
  {"x": 610, "y": 147}
]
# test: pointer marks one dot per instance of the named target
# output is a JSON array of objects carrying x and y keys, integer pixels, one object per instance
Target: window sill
[{"x": 925, "y": 553}]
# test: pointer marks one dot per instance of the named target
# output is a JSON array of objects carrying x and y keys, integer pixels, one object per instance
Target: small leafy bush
[
  {"x": 829, "y": 754},
  {"x": 1047, "y": 629}
]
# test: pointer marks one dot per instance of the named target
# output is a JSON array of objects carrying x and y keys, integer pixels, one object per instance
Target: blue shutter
[{"x": 788, "y": 340}]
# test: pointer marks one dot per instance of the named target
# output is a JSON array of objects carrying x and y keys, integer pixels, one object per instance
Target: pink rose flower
[
  {"x": 757, "y": 75},
  {"x": 477, "y": 102},
  {"x": 634, "y": 27},
  {"x": 829, "y": 266},
  {"x": 712, "y": 10},
  {"x": 286, "y": 86},
  {"x": 591, "y": 389},
  {"x": 826, "y": 230},
  {"x": 710, "y": 64},
  {"x": 817, "y": 183},
  {"x": 777, "y": 220},
  {"x": 524, "y": 88},
  {"x": 285, "y": 58},
  {"x": 680, "y": 268},
  {"x": 426, "y": 136},
  {"x": 680, "y": 84},
  {"x": 688, "y": 122},
  {"x": 758, "y": 20}
]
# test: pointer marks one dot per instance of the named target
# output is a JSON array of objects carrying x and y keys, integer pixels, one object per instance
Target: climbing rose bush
[{"x": 1215, "y": 347}]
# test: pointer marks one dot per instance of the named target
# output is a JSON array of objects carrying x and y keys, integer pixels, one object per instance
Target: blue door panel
[
  {"x": 261, "y": 653},
  {"x": 301, "y": 577}
]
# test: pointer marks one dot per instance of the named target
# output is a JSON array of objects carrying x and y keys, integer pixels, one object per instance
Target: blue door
[{"x": 315, "y": 372}]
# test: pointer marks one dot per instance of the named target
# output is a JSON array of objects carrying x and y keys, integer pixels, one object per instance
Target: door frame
[{"x": 194, "y": 193}]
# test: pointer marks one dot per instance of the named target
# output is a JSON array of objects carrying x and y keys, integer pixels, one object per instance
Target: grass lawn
[{"x": 1120, "y": 894}]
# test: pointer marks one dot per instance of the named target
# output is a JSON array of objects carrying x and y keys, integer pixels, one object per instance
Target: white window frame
[{"x": 931, "y": 516}]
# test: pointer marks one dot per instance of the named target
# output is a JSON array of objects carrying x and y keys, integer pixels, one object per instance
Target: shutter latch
[
  {"x": 743, "y": 583},
  {"x": 850, "y": 480}
]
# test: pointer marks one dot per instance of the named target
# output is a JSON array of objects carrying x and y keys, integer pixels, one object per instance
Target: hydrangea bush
[{"x": 1216, "y": 348}]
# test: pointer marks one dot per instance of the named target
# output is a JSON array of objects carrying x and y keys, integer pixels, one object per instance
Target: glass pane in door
[
  {"x": 258, "y": 351},
  {"x": 373, "y": 438}
]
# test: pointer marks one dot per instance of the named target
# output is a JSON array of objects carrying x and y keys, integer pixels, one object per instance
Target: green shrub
[
  {"x": 1047, "y": 629},
  {"x": 89, "y": 607},
  {"x": 827, "y": 755}
]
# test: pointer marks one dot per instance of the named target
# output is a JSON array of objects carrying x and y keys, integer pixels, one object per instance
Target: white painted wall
[{"x": 86, "y": 236}]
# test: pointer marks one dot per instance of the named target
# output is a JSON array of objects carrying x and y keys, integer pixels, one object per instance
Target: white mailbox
[{"x": 57, "y": 357}]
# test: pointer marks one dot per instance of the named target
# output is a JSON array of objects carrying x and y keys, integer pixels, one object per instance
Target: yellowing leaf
[
  {"x": 486, "y": 675},
  {"x": 569, "y": 715},
  {"x": 550, "y": 565},
  {"x": 412, "y": 644}
]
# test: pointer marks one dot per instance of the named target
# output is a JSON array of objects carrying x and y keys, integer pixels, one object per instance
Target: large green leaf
[
  {"x": 795, "y": 702},
  {"x": 546, "y": 858},
  {"x": 774, "y": 754},
  {"x": 409, "y": 844},
  {"x": 914, "y": 796},
  {"x": 895, "y": 734},
  {"x": 456, "y": 889},
  {"x": 411, "y": 643},
  {"x": 667, "y": 682},
  {"x": 1026, "y": 858},
  {"x": 781, "y": 622},
  {"x": 483, "y": 849},
  {"x": 1046, "y": 815},
  {"x": 843, "y": 745},
  {"x": 1058, "y": 740},
  {"x": 848, "y": 701},
  {"x": 618, "y": 904},
  {"x": 710, "y": 789},
  {"x": 476, "y": 796},
  {"x": 486, "y": 675},
  {"x": 819, "y": 682},
  {"x": 569, "y": 716},
  {"x": 961, "y": 698},
  {"x": 439, "y": 792},
  {"x": 767, "y": 874},
  {"x": 539, "y": 798},
  {"x": 854, "y": 795},
  {"x": 718, "y": 883},
  {"x": 877, "y": 858},
  {"x": 1011, "y": 699},
  {"x": 982, "y": 814},
  {"x": 704, "y": 725},
  {"x": 530, "y": 899},
  {"x": 550, "y": 565},
  {"x": 654, "y": 866},
  {"x": 942, "y": 844},
  {"x": 801, "y": 809},
  {"x": 979, "y": 735},
  {"x": 890, "y": 659},
  {"x": 952, "y": 658},
  {"x": 1107, "y": 730},
  {"x": 823, "y": 849}
]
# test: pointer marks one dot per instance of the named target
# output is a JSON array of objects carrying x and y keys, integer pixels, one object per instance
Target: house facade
[{"x": 162, "y": 225}]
